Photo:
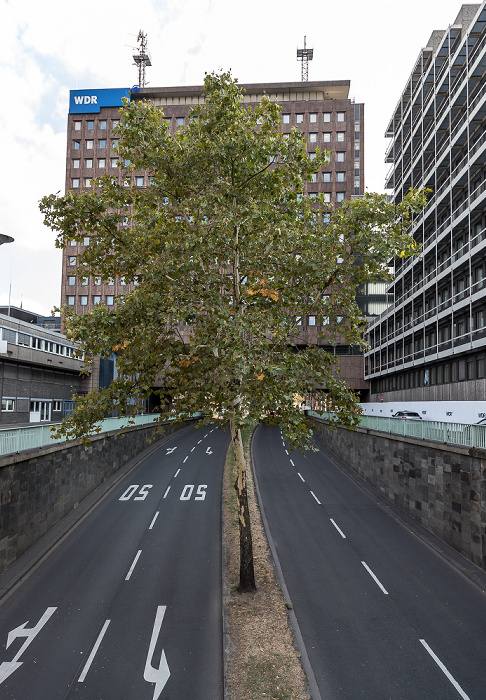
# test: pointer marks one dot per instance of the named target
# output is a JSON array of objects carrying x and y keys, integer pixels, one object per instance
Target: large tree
[{"x": 226, "y": 254}]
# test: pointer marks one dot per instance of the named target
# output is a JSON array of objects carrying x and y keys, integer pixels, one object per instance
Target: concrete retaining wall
[
  {"x": 40, "y": 487},
  {"x": 443, "y": 487}
]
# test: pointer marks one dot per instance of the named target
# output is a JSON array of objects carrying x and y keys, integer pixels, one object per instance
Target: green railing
[
  {"x": 453, "y": 433},
  {"x": 18, "y": 439}
]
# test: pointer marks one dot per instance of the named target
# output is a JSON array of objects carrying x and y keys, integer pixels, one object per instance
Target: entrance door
[{"x": 40, "y": 411}]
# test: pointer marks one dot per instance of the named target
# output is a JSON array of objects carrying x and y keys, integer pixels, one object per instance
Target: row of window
[
  {"x": 31, "y": 341},
  {"x": 109, "y": 300},
  {"x": 327, "y": 196},
  {"x": 90, "y": 124},
  {"x": 325, "y": 136},
  {"x": 90, "y": 143},
  {"x": 139, "y": 181},
  {"x": 445, "y": 373},
  {"x": 8, "y": 405},
  {"x": 84, "y": 281},
  {"x": 314, "y": 117}
]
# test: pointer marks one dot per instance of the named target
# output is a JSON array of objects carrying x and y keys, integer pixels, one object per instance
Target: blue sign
[{"x": 91, "y": 101}]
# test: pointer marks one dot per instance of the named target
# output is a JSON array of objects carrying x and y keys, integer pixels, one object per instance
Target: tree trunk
[{"x": 247, "y": 574}]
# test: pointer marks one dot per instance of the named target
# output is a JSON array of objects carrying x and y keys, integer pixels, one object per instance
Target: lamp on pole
[{"x": 5, "y": 239}]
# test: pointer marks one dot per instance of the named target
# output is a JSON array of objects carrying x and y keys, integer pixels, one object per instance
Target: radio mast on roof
[
  {"x": 305, "y": 55},
  {"x": 142, "y": 58}
]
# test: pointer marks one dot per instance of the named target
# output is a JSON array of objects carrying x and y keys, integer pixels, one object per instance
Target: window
[
  {"x": 327, "y": 197},
  {"x": 326, "y": 116},
  {"x": 97, "y": 281},
  {"x": 340, "y": 177},
  {"x": 340, "y": 116},
  {"x": 139, "y": 180},
  {"x": 88, "y": 163},
  {"x": 313, "y": 138},
  {"x": 326, "y": 177},
  {"x": 102, "y": 143},
  {"x": 110, "y": 281},
  {"x": 312, "y": 194},
  {"x": 87, "y": 182},
  {"x": 96, "y": 299},
  {"x": 89, "y": 143},
  {"x": 340, "y": 136},
  {"x": 285, "y": 118},
  {"x": 76, "y": 145},
  {"x": 103, "y": 124},
  {"x": 312, "y": 156},
  {"x": 326, "y": 137},
  {"x": 340, "y": 196},
  {"x": 70, "y": 301},
  {"x": 101, "y": 162},
  {"x": 86, "y": 240},
  {"x": 77, "y": 126},
  {"x": 340, "y": 156},
  {"x": 314, "y": 177},
  {"x": 114, "y": 162},
  {"x": 37, "y": 343},
  {"x": 71, "y": 280},
  {"x": 76, "y": 163},
  {"x": 8, "y": 405},
  {"x": 115, "y": 122},
  {"x": 311, "y": 321},
  {"x": 90, "y": 125},
  {"x": 75, "y": 182},
  {"x": 72, "y": 260},
  {"x": 114, "y": 143},
  {"x": 180, "y": 121},
  {"x": 299, "y": 118},
  {"x": 83, "y": 300},
  {"x": 57, "y": 405},
  {"x": 123, "y": 282},
  {"x": 109, "y": 300},
  {"x": 298, "y": 320},
  {"x": 313, "y": 117},
  {"x": 84, "y": 281}
]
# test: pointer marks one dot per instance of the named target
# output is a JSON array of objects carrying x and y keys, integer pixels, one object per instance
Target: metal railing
[
  {"x": 462, "y": 434},
  {"x": 14, "y": 440}
]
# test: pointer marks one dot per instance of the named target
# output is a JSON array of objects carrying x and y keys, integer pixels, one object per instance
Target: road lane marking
[
  {"x": 127, "y": 577},
  {"x": 291, "y": 462},
  {"x": 177, "y": 472},
  {"x": 153, "y": 521},
  {"x": 185, "y": 460},
  {"x": 376, "y": 580},
  {"x": 301, "y": 477},
  {"x": 199, "y": 442},
  {"x": 159, "y": 675},
  {"x": 206, "y": 435},
  {"x": 170, "y": 450},
  {"x": 88, "y": 663},
  {"x": 338, "y": 529},
  {"x": 445, "y": 671},
  {"x": 312, "y": 492},
  {"x": 165, "y": 494},
  {"x": 193, "y": 449},
  {"x": 286, "y": 452},
  {"x": 30, "y": 633},
  {"x": 209, "y": 451}
]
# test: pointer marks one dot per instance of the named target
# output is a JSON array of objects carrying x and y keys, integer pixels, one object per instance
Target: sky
[{"x": 54, "y": 46}]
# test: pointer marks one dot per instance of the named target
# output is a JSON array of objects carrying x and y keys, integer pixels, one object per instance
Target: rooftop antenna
[
  {"x": 305, "y": 55},
  {"x": 142, "y": 58}
]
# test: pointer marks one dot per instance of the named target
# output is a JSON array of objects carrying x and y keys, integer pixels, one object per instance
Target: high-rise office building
[
  {"x": 323, "y": 110},
  {"x": 430, "y": 344}
]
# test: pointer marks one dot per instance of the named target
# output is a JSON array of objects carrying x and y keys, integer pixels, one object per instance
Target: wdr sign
[{"x": 91, "y": 101}]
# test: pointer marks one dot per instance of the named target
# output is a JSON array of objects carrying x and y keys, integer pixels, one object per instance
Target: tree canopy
[{"x": 225, "y": 254}]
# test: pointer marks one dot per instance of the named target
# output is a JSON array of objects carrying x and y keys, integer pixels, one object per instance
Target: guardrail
[
  {"x": 462, "y": 434},
  {"x": 14, "y": 440}
]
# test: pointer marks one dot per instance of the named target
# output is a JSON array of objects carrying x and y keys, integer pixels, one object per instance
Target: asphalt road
[
  {"x": 382, "y": 616},
  {"x": 128, "y": 606}
]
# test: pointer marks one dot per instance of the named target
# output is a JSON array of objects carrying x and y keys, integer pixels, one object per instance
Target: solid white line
[
  {"x": 193, "y": 449},
  {"x": 165, "y": 494},
  {"x": 338, "y": 529},
  {"x": 185, "y": 460},
  {"x": 312, "y": 492},
  {"x": 176, "y": 473},
  {"x": 374, "y": 577},
  {"x": 153, "y": 521},
  {"x": 445, "y": 671},
  {"x": 292, "y": 463},
  {"x": 93, "y": 652},
  {"x": 301, "y": 477},
  {"x": 127, "y": 577}
]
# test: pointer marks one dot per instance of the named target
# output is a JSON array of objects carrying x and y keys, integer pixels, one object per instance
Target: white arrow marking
[
  {"x": 209, "y": 451},
  {"x": 8, "y": 667},
  {"x": 170, "y": 450},
  {"x": 160, "y": 675}
]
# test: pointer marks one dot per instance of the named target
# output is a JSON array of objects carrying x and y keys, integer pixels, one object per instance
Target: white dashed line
[
  {"x": 153, "y": 521},
  {"x": 338, "y": 529},
  {"x": 176, "y": 473},
  {"x": 193, "y": 449},
  {"x": 127, "y": 577},
  {"x": 301, "y": 477},
  {"x": 378, "y": 583},
  {"x": 445, "y": 671},
  {"x": 292, "y": 463},
  {"x": 185, "y": 459},
  {"x": 165, "y": 494},
  {"x": 93, "y": 652},
  {"x": 313, "y": 494},
  {"x": 199, "y": 442}
]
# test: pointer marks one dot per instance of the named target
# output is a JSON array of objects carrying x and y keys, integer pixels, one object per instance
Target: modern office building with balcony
[{"x": 430, "y": 344}]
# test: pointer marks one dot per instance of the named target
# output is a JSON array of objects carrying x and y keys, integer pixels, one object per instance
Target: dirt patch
[{"x": 262, "y": 660}]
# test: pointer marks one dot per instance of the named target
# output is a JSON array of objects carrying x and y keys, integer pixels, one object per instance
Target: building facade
[
  {"x": 430, "y": 344},
  {"x": 324, "y": 112}
]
